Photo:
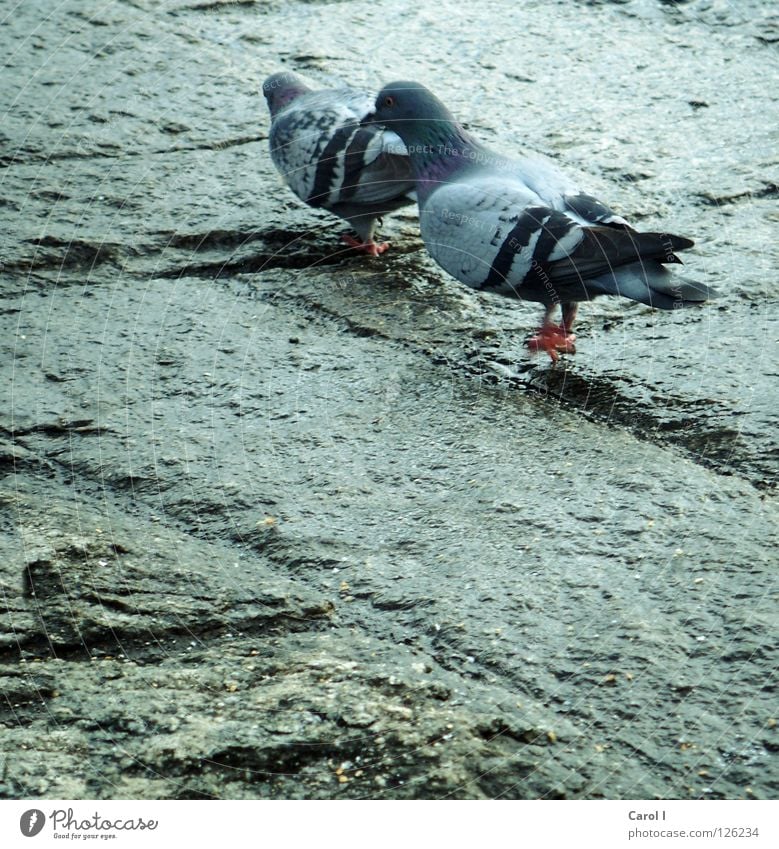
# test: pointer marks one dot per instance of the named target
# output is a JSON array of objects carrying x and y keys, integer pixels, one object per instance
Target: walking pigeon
[
  {"x": 518, "y": 227},
  {"x": 330, "y": 160}
]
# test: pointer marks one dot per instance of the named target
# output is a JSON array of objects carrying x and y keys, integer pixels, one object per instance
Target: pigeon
[
  {"x": 331, "y": 161},
  {"x": 521, "y": 228}
]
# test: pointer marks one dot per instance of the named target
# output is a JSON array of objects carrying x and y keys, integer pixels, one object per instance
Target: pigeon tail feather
[{"x": 649, "y": 282}]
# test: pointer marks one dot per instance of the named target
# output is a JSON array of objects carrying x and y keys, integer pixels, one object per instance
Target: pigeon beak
[{"x": 368, "y": 120}]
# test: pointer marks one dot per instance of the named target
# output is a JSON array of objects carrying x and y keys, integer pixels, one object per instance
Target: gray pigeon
[
  {"x": 330, "y": 160},
  {"x": 520, "y": 228}
]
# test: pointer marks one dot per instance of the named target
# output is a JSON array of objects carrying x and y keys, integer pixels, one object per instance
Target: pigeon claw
[
  {"x": 371, "y": 248},
  {"x": 554, "y": 339}
]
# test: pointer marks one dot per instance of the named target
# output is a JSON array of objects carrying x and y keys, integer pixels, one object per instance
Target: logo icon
[{"x": 31, "y": 822}]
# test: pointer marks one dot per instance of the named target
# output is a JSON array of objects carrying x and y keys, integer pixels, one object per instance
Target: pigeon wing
[
  {"x": 376, "y": 168},
  {"x": 471, "y": 225}
]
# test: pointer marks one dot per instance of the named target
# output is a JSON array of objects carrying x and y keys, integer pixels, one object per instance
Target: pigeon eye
[{"x": 389, "y": 100}]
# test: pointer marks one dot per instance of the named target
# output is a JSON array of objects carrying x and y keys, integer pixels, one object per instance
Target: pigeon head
[
  {"x": 437, "y": 144},
  {"x": 414, "y": 113},
  {"x": 281, "y": 89}
]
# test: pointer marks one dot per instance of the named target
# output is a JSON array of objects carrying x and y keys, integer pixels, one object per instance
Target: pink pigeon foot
[
  {"x": 553, "y": 338},
  {"x": 371, "y": 248}
]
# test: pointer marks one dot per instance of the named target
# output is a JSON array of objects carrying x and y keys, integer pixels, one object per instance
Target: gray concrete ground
[{"x": 280, "y": 521}]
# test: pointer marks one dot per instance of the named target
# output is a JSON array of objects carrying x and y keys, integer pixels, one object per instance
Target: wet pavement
[{"x": 351, "y": 538}]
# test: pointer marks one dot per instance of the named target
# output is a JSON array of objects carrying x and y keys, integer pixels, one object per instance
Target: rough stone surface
[{"x": 279, "y": 521}]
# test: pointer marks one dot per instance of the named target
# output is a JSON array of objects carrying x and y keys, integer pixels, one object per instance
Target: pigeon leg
[
  {"x": 569, "y": 316},
  {"x": 552, "y": 337},
  {"x": 369, "y": 247}
]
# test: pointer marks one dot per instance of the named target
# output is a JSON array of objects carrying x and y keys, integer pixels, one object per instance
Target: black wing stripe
[
  {"x": 556, "y": 228},
  {"x": 354, "y": 162},
  {"x": 518, "y": 237},
  {"x": 328, "y": 162}
]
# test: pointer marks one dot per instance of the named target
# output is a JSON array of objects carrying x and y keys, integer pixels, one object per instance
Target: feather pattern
[
  {"x": 521, "y": 228},
  {"x": 330, "y": 159}
]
